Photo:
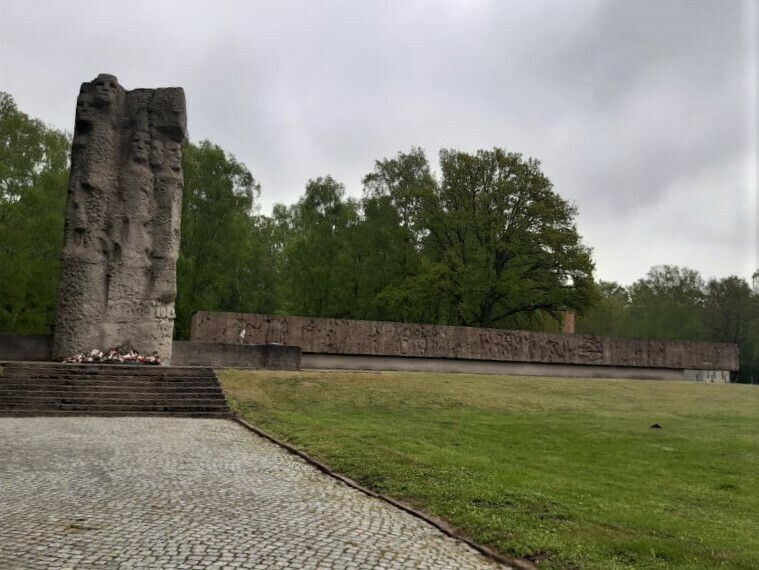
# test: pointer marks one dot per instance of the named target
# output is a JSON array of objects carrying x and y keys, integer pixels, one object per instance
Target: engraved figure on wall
[{"x": 589, "y": 349}]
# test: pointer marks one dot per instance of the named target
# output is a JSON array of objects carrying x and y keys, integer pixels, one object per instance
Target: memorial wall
[{"x": 376, "y": 338}]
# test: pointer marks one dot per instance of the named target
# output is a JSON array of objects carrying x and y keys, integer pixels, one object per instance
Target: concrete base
[
  {"x": 38, "y": 348},
  {"x": 356, "y": 362},
  {"x": 25, "y": 347},
  {"x": 218, "y": 355},
  {"x": 716, "y": 376}
]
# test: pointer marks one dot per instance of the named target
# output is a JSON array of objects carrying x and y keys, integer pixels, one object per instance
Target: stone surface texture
[
  {"x": 176, "y": 493},
  {"x": 25, "y": 346},
  {"x": 338, "y": 336},
  {"x": 223, "y": 355},
  {"x": 118, "y": 269}
]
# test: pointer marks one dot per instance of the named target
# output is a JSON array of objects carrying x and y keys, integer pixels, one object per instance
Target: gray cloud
[{"x": 643, "y": 113}]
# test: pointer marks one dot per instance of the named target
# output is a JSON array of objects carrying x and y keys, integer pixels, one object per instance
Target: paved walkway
[{"x": 165, "y": 493}]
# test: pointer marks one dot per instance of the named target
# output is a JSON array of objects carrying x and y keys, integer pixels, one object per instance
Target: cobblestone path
[{"x": 165, "y": 493}]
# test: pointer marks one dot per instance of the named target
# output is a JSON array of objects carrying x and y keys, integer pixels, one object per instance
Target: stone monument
[{"x": 118, "y": 268}]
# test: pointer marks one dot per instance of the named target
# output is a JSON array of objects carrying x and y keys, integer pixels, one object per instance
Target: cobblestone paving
[{"x": 165, "y": 493}]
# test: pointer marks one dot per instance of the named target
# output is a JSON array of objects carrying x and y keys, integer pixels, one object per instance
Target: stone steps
[
  {"x": 31, "y": 369},
  {"x": 92, "y": 389},
  {"x": 111, "y": 384},
  {"x": 28, "y": 412},
  {"x": 93, "y": 384},
  {"x": 134, "y": 405},
  {"x": 103, "y": 376},
  {"x": 53, "y": 389},
  {"x": 98, "y": 399}
]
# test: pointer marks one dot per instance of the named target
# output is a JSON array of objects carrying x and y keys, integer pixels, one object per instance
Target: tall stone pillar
[{"x": 118, "y": 269}]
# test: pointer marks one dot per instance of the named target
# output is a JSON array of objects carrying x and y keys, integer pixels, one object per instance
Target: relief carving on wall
[{"x": 336, "y": 336}]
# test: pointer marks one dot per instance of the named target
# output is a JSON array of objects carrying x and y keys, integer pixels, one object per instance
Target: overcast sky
[{"x": 643, "y": 113}]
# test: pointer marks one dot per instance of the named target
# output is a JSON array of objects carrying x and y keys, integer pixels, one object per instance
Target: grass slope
[{"x": 565, "y": 472}]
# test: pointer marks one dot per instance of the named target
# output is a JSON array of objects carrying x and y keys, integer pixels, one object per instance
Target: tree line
[{"x": 487, "y": 242}]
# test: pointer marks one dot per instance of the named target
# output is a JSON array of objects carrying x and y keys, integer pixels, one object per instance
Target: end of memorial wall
[
  {"x": 222, "y": 355},
  {"x": 376, "y": 345},
  {"x": 25, "y": 347}
]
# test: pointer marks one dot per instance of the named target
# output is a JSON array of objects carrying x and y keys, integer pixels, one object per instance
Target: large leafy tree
[
  {"x": 731, "y": 311},
  {"x": 33, "y": 182},
  {"x": 390, "y": 237},
  {"x": 29, "y": 151},
  {"x": 499, "y": 247},
  {"x": 668, "y": 304},
  {"x": 225, "y": 257},
  {"x": 320, "y": 266},
  {"x": 610, "y": 315}
]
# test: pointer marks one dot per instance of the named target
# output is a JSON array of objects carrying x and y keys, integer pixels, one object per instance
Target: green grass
[{"x": 565, "y": 472}]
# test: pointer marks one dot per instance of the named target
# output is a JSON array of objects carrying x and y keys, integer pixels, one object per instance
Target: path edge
[{"x": 439, "y": 524}]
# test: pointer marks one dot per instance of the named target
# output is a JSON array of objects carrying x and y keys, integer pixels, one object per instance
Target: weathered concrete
[
  {"x": 415, "y": 364},
  {"x": 711, "y": 376},
  {"x": 118, "y": 268},
  {"x": 374, "y": 338},
  {"x": 218, "y": 355},
  {"x": 14, "y": 347},
  {"x": 172, "y": 493},
  {"x": 25, "y": 347}
]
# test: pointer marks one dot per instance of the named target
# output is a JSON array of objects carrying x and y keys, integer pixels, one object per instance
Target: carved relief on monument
[
  {"x": 628, "y": 352},
  {"x": 692, "y": 355},
  {"x": 360, "y": 332},
  {"x": 552, "y": 348},
  {"x": 546, "y": 347},
  {"x": 725, "y": 353},
  {"x": 337, "y": 336},
  {"x": 674, "y": 352},
  {"x": 327, "y": 340},
  {"x": 404, "y": 339},
  {"x": 375, "y": 335},
  {"x": 308, "y": 331},
  {"x": 590, "y": 350},
  {"x": 277, "y": 332},
  {"x": 118, "y": 270},
  {"x": 656, "y": 353},
  {"x": 464, "y": 340}
]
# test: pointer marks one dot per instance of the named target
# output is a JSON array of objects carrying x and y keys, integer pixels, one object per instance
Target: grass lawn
[{"x": 565, "y": 472}]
